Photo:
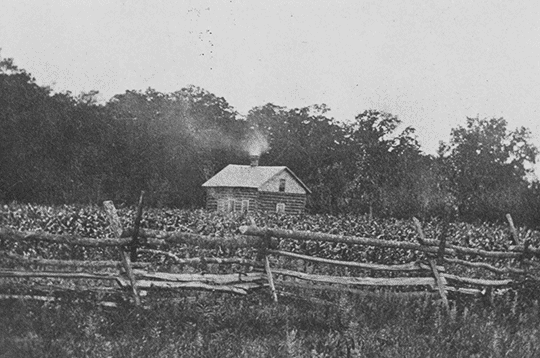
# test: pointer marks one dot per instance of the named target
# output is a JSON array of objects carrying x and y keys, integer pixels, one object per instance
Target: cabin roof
[{"x": 246, "y": 176}]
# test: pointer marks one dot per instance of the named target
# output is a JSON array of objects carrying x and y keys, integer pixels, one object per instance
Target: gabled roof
[{"x": 246, "y": 176}]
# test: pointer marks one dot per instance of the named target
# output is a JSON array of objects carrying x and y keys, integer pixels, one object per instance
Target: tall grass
[{"x": 224, "y": 326}]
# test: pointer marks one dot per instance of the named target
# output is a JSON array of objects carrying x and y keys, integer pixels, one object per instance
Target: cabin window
[
  {"x": 230, "y": 205},
  {"x": 281, "y": 184},
  {"x": 226, "y": 205},
  {"x": 221, "y": 205},
  {"x": 245, "y": 205},
  {"x": 280, "y": 208},
  {"x": 237, "y": 205}
]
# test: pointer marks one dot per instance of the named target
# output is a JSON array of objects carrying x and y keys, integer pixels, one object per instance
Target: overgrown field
[
  {"x": 302, "y": 324},
  {"x": 90, "y": 221},
  {"x": 253, "y": 327}
]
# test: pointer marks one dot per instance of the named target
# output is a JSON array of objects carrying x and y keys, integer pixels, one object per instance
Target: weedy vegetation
[
  {"x": 302, "y": 324},
  {"x": 252, "y": 326}
]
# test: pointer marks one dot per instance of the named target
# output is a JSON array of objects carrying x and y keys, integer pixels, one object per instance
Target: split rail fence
[{"x": 442, "y": 269}]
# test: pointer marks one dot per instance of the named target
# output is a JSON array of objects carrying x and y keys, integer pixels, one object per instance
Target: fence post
[
  {"x": 439, "y": 279},
  {"x": 264, "y": 251},
  {"x": 441, "y": 284},
  {"x": 515, "y": 235},
  {"x": 270, "y": 278},
  {"x": 116, "y": 228},
  {"x": 517, "y": 240},
  {"x": 136, "y": 226},
  {"x": 442, "y": 241},
  {"x": 421, "y": 237}
]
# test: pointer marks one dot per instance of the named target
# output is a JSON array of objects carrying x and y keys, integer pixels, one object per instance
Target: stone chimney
[{"x": 253, "y": 160}]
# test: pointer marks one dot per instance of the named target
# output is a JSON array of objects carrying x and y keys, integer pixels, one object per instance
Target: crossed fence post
[
  {"x": 439, "y": 280},
  {"x": 116, "y": 229}
]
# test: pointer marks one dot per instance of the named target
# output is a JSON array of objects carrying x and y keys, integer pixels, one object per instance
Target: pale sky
[{"x": 431, "y": 63}]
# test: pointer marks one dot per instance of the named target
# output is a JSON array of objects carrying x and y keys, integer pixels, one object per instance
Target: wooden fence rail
[
  {"x": 132, "y": 276},
  {"x": 430, "y": 247},
  {"x": 129, "y": 275},
  {"x": 440, "y": 281}
]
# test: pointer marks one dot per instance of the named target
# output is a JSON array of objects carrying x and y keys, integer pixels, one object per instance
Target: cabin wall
[
  {"x": 291, "y": 185},
  {"x": 294, "y": 203},
  {"x": 215, "y": 194},
  {"x": 258, "y": 200}
]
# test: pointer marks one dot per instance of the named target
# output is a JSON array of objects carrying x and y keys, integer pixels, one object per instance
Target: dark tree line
[{"x": 61, "y": 148}]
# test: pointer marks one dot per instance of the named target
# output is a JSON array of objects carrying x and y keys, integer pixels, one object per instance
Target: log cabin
[{"x": 240, "y": 188}]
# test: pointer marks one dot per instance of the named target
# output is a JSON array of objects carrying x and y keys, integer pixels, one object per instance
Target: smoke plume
[{"x": 255, "y": 143}]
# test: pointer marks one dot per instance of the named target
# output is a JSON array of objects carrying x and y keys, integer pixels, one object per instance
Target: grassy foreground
[{"x": 217, "y": 325}]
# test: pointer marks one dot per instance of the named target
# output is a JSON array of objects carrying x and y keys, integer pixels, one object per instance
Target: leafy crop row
[{"x": 90, "y": 221}]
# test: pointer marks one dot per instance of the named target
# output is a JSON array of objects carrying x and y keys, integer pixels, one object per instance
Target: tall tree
[
  {"x": 384, "y": 158},
  {"x": 308, "y": 142},
  {"x": 52, "y": 146},
  {"x": 487, "y": 165},
  {"x": 175, "y": 141},
  {"x": 28, "y": 132}
]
